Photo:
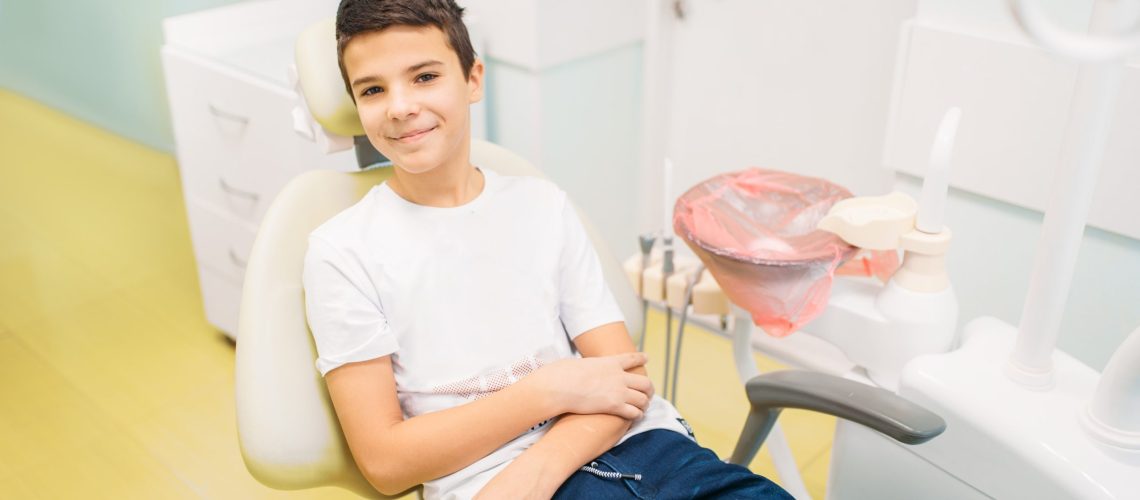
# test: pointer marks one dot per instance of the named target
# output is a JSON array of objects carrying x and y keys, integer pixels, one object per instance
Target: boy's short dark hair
[{"x": 354, "y": 17}]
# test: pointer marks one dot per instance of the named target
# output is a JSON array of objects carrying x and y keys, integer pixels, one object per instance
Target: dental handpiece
[{"x": 645, "y": 242}]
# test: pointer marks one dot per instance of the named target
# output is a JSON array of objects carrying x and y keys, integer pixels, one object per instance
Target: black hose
[{"x": 681, "y": 333}]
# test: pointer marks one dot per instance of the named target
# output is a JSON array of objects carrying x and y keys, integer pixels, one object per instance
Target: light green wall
[
  {"x": 585, "y": 133},
  {"x": 591, "y": 115},
  {"x": 95, "y": 60}
]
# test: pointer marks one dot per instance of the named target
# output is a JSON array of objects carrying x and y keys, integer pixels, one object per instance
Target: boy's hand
[
  {"x": 521, "y": 481},
  {"x": 596, "y": 385}
]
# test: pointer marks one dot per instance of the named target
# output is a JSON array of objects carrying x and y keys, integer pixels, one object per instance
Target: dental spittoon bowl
[{"x": 755, "y": 231}]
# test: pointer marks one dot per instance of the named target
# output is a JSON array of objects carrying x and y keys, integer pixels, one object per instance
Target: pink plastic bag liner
[{"x": 755, "y": 231}]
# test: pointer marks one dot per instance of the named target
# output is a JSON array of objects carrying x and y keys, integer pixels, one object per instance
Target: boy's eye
[
  {"x": 426, "y": 77},
  {"x": 371, "y": 90}
]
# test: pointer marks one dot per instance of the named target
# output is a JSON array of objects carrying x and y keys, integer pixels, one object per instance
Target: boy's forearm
[
  {"x": 571, "y": 442},
  {"x": 436, "y": 444}
]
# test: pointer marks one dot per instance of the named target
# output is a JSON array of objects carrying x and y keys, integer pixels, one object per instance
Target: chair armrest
[{"x": 877, "y": 408}]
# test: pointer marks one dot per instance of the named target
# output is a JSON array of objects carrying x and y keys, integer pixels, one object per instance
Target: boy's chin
[
  {"x": 414, "y": 165},
  {"x": 414, "y": 170}
]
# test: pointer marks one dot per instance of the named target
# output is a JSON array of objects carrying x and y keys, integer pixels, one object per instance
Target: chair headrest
[{"x": 319, "y": 77}]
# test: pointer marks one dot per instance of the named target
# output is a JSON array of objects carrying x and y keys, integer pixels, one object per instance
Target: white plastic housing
[
  {"x": 1114, "y": 412},
  {"x": 882, "y": 328},
  {"x": 1008, "y": 441}
]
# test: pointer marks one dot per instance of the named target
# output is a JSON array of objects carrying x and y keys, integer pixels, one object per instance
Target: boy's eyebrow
[
  {"x": 411, "y": 69},
  {"x": 417, "y": 67}
]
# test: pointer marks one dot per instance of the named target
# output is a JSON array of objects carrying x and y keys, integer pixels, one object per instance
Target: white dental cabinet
[{"x": 231, "y": 103}]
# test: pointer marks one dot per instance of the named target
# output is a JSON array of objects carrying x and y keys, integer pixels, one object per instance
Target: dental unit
[{"x": 1024, "y": 419}]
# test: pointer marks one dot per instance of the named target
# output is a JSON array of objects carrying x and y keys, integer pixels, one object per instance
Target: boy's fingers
[
  {"x": 629, "y": 412},
  {"x": 638, "y": 399},
  {"x": 632, "y": 360},
  {"x": 640, "y": 383}
]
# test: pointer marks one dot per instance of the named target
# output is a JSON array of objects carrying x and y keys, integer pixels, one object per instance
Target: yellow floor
[{"x": 114, "y": 386}]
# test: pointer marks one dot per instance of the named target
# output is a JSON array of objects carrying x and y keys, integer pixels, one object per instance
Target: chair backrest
[{"x": 289, "y": 434}]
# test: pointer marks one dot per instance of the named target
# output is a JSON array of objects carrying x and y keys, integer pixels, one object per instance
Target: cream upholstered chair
[{"x": 289, "y": 435}]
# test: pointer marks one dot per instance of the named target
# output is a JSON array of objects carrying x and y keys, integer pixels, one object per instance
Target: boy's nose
[{"x": 402, "y": 105}]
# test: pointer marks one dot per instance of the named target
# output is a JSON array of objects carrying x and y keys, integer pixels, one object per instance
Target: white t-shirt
[{"x": 467, "y": 300}]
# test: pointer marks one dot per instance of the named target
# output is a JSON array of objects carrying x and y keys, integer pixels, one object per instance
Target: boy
[{"x": 447, "y": 305}]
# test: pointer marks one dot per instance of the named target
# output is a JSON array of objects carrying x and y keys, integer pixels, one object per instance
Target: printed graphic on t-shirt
[
  {"x": 488, "y": 383},
  {"x": 539, "y": 425}
]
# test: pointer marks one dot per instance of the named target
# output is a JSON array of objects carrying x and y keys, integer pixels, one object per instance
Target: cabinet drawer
[
  {"x": 221, "y": 242},
  {"x": 221, "y": 299},
  {"x": 236, "y": 146}
]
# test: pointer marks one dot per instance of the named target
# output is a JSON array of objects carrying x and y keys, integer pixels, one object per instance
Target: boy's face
[{"x": 412, "y": 98}]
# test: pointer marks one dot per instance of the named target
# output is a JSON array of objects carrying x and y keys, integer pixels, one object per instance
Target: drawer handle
[
  {"x": 244, "y": 120},
  {"x": 237, "y": 192},
  {"x": 236, "y": 260}
]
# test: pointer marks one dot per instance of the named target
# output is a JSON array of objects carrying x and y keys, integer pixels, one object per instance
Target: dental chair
[{"x": 289, "y": 434}]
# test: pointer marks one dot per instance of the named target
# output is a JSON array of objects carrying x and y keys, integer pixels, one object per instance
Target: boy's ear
[{"x": 475, "y": 81}]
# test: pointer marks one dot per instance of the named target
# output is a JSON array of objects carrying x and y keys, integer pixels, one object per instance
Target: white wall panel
[
  {"x": 540, "y": 34},
  {"x": 797, "y": 86},
  {"x": 1015, "y": 103},
  {"x": 510, "y": 28}
]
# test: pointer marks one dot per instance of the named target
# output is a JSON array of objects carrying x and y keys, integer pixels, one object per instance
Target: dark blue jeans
[{"x": 670, "y": 466}]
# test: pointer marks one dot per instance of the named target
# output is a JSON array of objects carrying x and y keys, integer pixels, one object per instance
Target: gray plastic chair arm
[{"x": 873, "y": 407}]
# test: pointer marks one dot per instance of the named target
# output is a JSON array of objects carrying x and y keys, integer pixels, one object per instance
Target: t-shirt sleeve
[
  {"x": 345, "y": 316},
  {"x": 585, "y": 301}
]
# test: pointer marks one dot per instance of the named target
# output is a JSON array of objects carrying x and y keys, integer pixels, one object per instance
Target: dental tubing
[
  {"x": 692, "y": 281},
  {"x": 667, "y": 267}
]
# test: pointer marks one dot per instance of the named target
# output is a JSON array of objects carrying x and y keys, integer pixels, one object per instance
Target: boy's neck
[{"x": 446, "y": 186}]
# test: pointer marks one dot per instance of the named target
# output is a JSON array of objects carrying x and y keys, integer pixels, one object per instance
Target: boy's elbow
[{"x": 385, "y": 478}]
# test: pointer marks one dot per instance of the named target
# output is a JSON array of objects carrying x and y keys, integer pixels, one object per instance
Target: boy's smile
[
  {"x": 414, "y": 135},
  {"x": 412, "y": 97}
]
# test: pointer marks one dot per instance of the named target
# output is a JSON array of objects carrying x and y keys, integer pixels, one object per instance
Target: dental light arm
[
  {"x": 876, "y": 408},
  {"x": 1083, "y": 47},
  {"x": 1094, "y": 102}
]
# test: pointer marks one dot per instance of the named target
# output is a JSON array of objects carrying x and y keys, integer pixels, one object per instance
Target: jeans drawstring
[{"x": 593, "y": 469}]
